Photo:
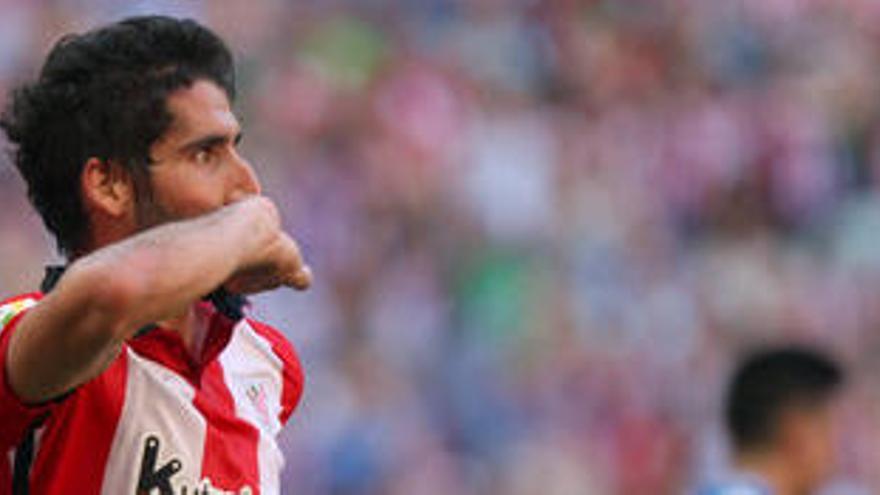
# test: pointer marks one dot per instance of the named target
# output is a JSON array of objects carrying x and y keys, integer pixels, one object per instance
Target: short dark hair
[
  {"x": 773, "y": 381},
  {"x": 103, "y": 94}
]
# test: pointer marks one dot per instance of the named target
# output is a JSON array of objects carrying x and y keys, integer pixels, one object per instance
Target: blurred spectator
[{"x": 780, "y": 414}]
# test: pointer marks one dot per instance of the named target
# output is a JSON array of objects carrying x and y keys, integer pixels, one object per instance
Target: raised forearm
[
  {"x": 105, "y": 297},
  {"x": 160, "y": 272}
]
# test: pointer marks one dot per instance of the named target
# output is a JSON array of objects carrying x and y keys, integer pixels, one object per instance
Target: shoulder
[
  {"x": 292, "y": 371},
  {"x": 737, "y": 487},
  {"x": 13, "y": 307},
  {"x": 15, "y": 415},
  {"x": 281, "y": 346}
]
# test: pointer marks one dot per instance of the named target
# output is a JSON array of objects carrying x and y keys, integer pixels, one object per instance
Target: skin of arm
[{"x": 77, "y": 330}]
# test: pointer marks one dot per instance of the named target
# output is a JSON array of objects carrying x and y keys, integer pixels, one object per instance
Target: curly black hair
[{"x": 103, "y": 94}]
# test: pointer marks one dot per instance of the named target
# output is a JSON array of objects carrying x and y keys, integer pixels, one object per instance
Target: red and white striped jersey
[{"x": 157, "y": 421}]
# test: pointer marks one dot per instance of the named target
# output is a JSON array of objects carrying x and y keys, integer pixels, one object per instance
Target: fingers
[
  {"x": 253, "y": 281},
  {"x": 295, "y": 272},
  {"x": 302, "y": 279},
  {"x": 273, "y": 259}
]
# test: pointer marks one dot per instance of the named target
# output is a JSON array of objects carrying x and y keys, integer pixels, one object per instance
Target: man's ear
[{"x": 107, "y": 187}]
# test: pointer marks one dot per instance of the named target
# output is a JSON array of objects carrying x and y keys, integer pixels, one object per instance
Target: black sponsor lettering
[{"x": 151, "y": 478}]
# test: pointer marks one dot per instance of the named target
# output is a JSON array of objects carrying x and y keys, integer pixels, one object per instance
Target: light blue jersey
[{"x": 739, "y": 485}]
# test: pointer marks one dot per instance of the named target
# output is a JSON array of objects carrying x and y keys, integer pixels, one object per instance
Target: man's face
[
  {"x": 813, "y": 429},
  {"x": 197, "y": 167}
]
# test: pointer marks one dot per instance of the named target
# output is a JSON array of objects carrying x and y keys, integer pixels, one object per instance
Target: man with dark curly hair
[{"x": 133, "y": 369}]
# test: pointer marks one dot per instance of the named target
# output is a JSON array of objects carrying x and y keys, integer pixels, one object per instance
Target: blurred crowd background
[{"x": 542, "y": 230}]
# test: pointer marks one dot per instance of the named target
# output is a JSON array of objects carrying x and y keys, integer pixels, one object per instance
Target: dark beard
[{"x": 149, "y": 213}]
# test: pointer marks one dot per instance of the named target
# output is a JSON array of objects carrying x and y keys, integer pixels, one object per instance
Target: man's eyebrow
[{"x": 210, "y": 141}]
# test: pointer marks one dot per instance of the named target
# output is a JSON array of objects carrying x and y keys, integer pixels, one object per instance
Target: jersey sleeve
[
  {"x": 292, "y": 372},
  {"x": 15, "y": 416}
]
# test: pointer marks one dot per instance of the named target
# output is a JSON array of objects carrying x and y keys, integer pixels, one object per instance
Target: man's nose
[{"x": 245, "y": 180}]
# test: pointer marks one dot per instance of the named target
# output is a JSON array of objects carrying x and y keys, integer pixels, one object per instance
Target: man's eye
[{"x": 205, "y": 156}]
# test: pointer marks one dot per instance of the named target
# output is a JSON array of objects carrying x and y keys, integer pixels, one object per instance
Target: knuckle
[{"x": 267, "y": 211}]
